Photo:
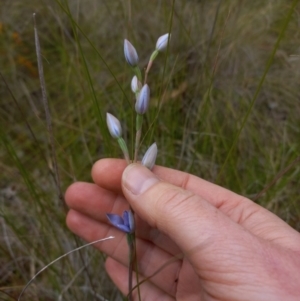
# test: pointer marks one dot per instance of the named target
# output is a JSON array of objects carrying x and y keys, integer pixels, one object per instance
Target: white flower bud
[
  {"x": 162, "y": 42},
  {"x": 150, "y": 156},
  {"x": 130, "y": 53},
  {"x": 142, "y": 103},
  {"x": 113, "y": 125},
  {"x": 136, "y": 85}
]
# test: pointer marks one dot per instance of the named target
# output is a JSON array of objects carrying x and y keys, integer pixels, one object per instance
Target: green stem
[
  {"x": 138, "y": 73},
  {"x": 131, "y": 244},
  {"x": 152, "y": 58},
  {"x": 124, "y": 149},
  {"x": 139, "y": 122}
]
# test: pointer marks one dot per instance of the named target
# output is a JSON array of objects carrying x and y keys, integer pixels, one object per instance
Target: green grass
[{"x": 225, "y": 106}]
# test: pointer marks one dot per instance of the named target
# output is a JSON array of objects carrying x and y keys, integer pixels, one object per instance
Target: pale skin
[{"x": 231, "y": 248}]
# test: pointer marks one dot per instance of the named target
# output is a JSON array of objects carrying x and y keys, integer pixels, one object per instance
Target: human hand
[{"x": 233, "y": 248}]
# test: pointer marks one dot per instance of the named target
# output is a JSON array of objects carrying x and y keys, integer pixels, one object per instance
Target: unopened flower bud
[
  {"x": 142, "y": 103},
  {"x": 135, "y": 85},
  {"x": 130, "y": 53},
  {"x": 113, "y": 125},
  {"x": 150, "y": 156},
  {"x": 162, "y": 42}
]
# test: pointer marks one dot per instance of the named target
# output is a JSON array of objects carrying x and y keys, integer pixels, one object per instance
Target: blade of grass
[
  {"x": 102, "y": 124},
  {"x": 48, "y": 119},
  {"x": 267, "y": 68},
  {"x": 36, "y": 142},
  {"x": 101, "y": 121},
  {"x": 276, "y": 178},
  {"x": 29, "y": 184},
  {"x": 152, "y": 127},
  {"x": 59, "y": 258},
  {"x": 47, "y": 112}
]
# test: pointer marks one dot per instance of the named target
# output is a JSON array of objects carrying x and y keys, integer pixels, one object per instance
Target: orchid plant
[{"x": 126, "y": 222}]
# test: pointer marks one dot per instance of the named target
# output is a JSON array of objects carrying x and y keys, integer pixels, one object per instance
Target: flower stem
[
  {"x": 147, "y": 71},
  {"x": 131, "y": 240},
  {"x": 152, "y": 58},
  {"x": 139, "y": 122},
  {"x": 131, "y": 244},
  {"x": 124, "y": 149},
  {"x": 138, "y": 73}
]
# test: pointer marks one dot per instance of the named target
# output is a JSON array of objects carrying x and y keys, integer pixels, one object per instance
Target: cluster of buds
[{"x": 142, "y": 97}]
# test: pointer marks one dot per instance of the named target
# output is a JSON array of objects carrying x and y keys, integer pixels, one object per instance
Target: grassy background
[{"x": 206, "y": 116}]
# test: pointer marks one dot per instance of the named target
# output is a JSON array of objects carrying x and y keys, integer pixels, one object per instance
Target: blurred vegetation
[{"x": 213, "y": 114}]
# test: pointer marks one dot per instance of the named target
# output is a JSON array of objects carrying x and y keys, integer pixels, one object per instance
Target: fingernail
[{"x": 138, "y": 179}]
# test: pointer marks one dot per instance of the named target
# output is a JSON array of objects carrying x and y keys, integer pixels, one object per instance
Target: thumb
[{"x": 189, "y": 220}]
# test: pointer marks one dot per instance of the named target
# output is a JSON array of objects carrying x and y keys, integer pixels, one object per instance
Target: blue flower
[{"x": 125, "y": 223}]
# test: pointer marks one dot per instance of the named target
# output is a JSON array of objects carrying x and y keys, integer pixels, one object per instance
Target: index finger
[{"x": 107, "y": 173}]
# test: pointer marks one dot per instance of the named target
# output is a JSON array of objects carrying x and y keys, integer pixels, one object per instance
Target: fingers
[
  {"x": 223, "y": 254},
  {"x": 119, "y": 275},
  {"x": 94, "y": 202},
  {"x": 220, "y": 250},
  {"x": 192, "y": 222},
  {"x": 150, "y": 257},
  {"x": 107, "y": 173}
]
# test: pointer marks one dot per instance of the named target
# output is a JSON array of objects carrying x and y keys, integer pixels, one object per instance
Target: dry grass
[{"x": 200, "y": 96}]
